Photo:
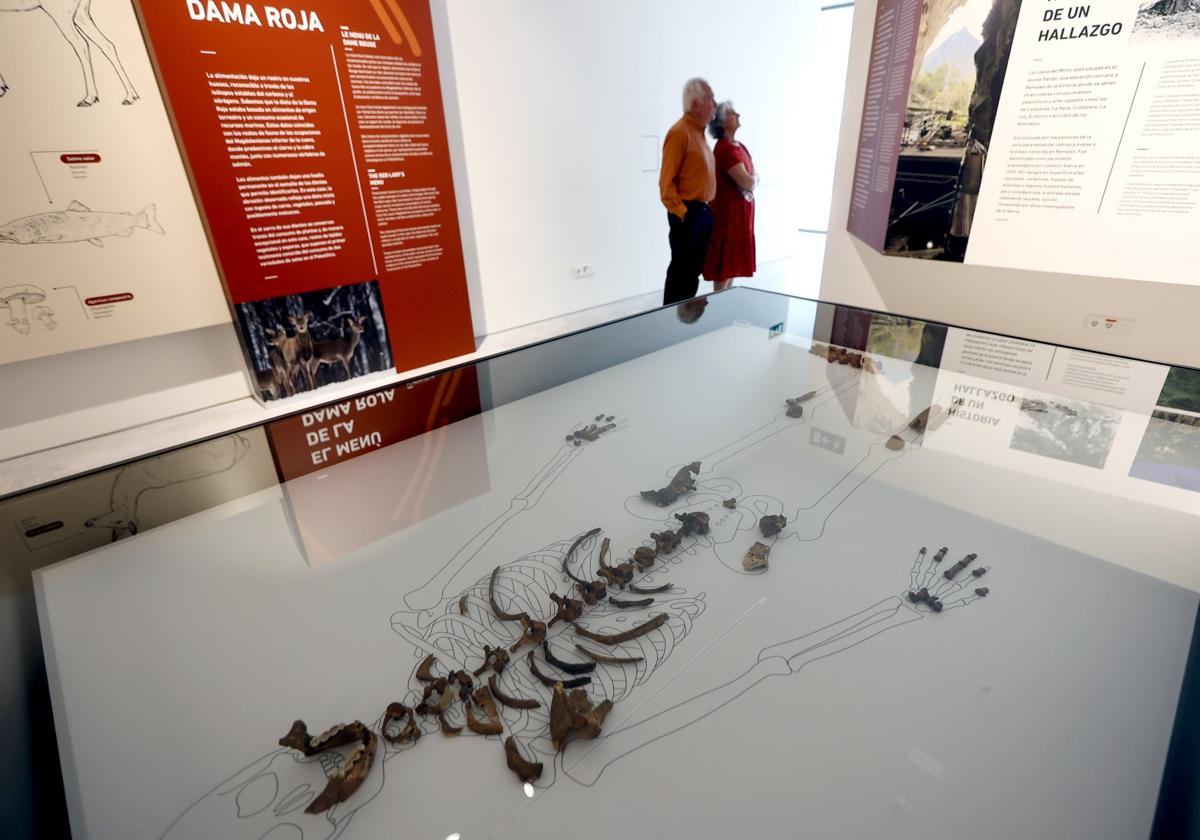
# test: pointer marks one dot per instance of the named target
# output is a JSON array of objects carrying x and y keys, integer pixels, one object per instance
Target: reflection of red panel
[
  {"x": 340, "y": 510},
  {"x": 344, "y": 430},
  {"x": 43, "y": 529},
  {"x": 851, "y": 327}
]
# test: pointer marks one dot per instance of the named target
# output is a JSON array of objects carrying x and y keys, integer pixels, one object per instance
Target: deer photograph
[
  {"x": 304, "y": 348},
  {"x": 339, "y": 350},
  {"x": 276, "y": 381},
  {"x": 300, "y": 342},
  {"x": 74, "y": 20}
]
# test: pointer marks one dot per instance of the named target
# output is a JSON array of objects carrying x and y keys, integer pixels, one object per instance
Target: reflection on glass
[
  {"x": 743, "y": 504},
  {"x": 1170, "y": 451},
  {"x": 1068, "y": 430}
]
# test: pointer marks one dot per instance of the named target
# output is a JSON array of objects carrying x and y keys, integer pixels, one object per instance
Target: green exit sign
[{"x": 775, "y": 331}]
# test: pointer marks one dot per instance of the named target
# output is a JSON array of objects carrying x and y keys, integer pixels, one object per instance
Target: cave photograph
[{"x": 957, "y": 75}]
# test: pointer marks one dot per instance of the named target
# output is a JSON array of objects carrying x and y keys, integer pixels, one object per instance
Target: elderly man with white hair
[{"x": 687, "y": 183}]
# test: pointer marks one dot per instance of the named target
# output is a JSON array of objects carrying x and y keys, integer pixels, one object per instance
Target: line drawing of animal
[
  {"x": 339, "y": 350},
  {"x": 78, "y": 224},
  {"x": 167, "y": 470},
  {"x": 74, "y": 20}
]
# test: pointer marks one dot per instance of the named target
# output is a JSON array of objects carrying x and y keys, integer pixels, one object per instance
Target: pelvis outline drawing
[{"x": 74, "y": 20}]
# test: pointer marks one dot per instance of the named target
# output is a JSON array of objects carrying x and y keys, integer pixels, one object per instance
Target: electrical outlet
[
  {"x": 1108, "y": 324},
  {"x": 581, "y": 271}
]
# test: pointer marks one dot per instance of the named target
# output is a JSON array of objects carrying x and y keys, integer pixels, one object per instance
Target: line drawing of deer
[
  {"x": 74, "y": 20},
  {"x": 339, "y": 350}
]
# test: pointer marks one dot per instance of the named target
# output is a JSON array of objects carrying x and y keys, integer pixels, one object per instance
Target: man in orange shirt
[{"x": 687, "y": 182}]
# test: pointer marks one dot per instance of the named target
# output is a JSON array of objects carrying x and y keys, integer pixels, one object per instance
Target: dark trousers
[{"x": 689, "y": 244}]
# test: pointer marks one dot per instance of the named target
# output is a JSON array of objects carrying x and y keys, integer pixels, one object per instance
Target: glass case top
[{"x": 752, "y": 563}]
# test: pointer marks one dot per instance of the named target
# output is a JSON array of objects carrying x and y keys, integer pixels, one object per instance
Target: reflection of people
[
  {"x": 690, "y": 311},
  {"x": 687, "y": 183},
  {"x": 731, "y": 248}
]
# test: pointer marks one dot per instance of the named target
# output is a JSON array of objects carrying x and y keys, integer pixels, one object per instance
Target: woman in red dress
[{"x": 731, "y": 248}]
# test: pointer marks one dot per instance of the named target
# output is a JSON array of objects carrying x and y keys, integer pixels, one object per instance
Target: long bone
[
  {"x": 779, "y": 423},
  {"x": 550, "y": 682},
  {"x": 500, "y": 614},
  {"x": 508, "y": 699},
  {"x": 808, "y": 523},
  {"x": 592, "y": 591},
  {"x": 953, "y": 571},
  {"x": 616, "y": 638},
  {"x": 608, "y": 660},
  {"x": 572, "y": 668},
  {"x": 631, "y": 605}
]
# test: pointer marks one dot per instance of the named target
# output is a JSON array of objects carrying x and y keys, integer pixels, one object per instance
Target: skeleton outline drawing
[
  {"x": 438, "y": 604},
  {"x": 74, "y": 20}
]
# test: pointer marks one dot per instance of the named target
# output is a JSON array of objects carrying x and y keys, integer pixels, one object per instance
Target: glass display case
[{"x": 753, "y": 564}]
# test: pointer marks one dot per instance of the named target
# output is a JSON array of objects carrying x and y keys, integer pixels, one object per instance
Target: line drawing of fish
[{"x": 78, "y": 224}]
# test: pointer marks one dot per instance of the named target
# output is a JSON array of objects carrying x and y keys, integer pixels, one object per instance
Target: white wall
[
  {"x": 547, "y": 103},
  {"x": 1038, "y": 305},
  {"x": 552, "y": 99}
]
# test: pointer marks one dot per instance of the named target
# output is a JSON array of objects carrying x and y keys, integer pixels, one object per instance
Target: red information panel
[{"x": 316, "y": 141}]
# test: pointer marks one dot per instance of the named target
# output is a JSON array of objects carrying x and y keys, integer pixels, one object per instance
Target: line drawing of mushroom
[
  {"x": 45, "y": 315},
  {"x": 17, "y": 300}
]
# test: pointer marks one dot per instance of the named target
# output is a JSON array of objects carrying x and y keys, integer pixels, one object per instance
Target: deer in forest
[
  {"x": 74, "y": 20},
  {"x": 276, "y": 380},
  {"x": 290, "y": 351},
  {"x": 340, "y": 350},
  {"x": 304, "y": 345}
]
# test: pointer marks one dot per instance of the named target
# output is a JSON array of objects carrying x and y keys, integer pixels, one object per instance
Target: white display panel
[
  {"x": 1092, "y": 166},
  {"x": 179, "y": 657},
  {"x": 100, "y": 238}
]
